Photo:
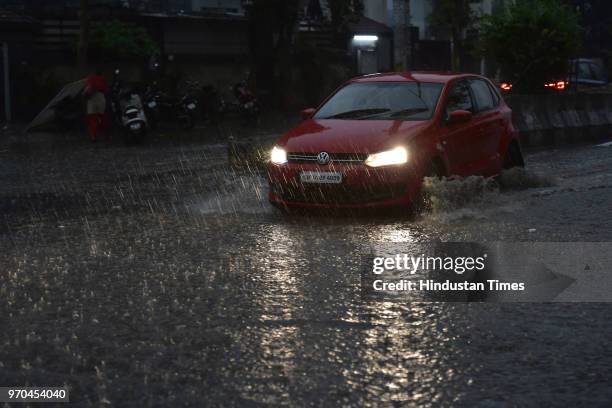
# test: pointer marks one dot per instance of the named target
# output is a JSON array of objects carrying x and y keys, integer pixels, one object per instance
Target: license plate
[
  {"x": 191, "y": 106},
  {"x": 135, "y": 126},
  {"x": 152, "y": 104},
  {"x": 323, "y": 177}
]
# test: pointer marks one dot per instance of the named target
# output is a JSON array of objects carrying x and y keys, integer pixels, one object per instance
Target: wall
[
  {"x": 205, "y": 37},
  {"x": 548, "y": 120},
  {"x": 232, "y": 6}
]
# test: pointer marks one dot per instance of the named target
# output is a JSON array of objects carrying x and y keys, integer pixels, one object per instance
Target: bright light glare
[
  {"x": 399, "y": 155},
  {"x": 278, "y": 155},
  {"x": 560, "y": 85},
  {"x": 365, "y": 38}
]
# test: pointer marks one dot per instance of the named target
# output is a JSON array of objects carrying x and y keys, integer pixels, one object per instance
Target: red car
[{"x": 374, "y": 139}]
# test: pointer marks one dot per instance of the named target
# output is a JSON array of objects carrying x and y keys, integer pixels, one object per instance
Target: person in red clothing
[{"x": 95, "y": 91}]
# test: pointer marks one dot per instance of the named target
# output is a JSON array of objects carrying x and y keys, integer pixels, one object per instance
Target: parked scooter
[
  {"x": 163, "y": 107},
  {"x": 128, "y": 111}
]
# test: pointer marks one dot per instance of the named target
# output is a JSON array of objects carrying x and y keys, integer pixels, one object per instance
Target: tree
[
  {"x": 532, "y": 41},
  {"x": 117, "y": 40},
  {"x": 455, "y": 16}
]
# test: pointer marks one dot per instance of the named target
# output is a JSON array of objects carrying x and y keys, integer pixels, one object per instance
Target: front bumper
[{"x": 361, "y": 187}]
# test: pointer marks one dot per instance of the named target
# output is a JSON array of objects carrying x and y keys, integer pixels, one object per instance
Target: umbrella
[{"x": 49, "y": 113}]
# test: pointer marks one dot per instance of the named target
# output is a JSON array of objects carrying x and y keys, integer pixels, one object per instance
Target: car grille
[
  {"x": 334, "y": 157},
  {"x": 338, "y": 194}
]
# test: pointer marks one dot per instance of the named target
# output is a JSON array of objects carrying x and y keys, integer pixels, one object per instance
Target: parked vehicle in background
[
  {"x": 212, "y": 105},
  {"x": 587, "y": 72},
  {"x": 133, "y": 118},
  {"x": 240, "y": 105},
  {"x": 245, "y": 104},
  {"x": 372, "y": 142},
  {"x": 582, "y": 73},
  {"x": 161, "y": 107},
  {"x": 128, "y": 111}
]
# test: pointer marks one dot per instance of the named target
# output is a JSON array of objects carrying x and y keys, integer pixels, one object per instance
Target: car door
[
  {"x": 457, "y": 141},
  {"x": 489, "y": 123}
]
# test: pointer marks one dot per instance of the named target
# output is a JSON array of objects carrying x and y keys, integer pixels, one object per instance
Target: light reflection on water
[{"x": 310, "y": 316}]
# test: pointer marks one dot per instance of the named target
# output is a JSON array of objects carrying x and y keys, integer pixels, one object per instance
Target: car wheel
[{"x": 513, "y": 157}]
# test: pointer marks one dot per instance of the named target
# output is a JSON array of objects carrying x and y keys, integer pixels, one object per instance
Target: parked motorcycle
[
  {"x": 128, "y": 111},
  {"x": 163, "y": 107},
  {"x": 211, "y": 104},
  {"x": 245, "y": 104}
]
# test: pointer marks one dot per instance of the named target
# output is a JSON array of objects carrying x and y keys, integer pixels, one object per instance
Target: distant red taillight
[
  {"x": 505, "y": 86},
  {"x": 559, "y": 85}
]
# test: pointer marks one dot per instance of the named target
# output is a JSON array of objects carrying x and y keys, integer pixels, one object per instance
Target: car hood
[{"x": 348, "y": 136}]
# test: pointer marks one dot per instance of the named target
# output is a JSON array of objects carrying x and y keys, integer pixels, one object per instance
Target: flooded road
[{"x": 161, "y": 277}]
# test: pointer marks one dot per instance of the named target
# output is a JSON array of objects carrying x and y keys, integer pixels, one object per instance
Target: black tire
[{"x": 513, "y": 157}]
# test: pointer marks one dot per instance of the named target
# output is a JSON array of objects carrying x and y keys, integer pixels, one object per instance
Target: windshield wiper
[
  {"x": 394, "y": 114},
  {"x": 407, "y": 112},
  {"x": 357, "y": 113}
]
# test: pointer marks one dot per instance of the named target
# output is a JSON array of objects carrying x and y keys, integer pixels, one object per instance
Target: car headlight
[
  {"x": 278, "y": 155},
  {"x": 399, "y": 155}
]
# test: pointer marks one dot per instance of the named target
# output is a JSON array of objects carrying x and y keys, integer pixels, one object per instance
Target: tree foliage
[
  {"x": 115, "y": 39},
  {"x": 531, "y": 41}
]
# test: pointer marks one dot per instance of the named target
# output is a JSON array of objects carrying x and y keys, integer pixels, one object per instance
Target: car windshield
[{"x": 382, "y": 101}]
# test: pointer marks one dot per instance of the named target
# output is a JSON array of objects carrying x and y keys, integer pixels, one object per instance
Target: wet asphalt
[{"x": 156, "y": 275}]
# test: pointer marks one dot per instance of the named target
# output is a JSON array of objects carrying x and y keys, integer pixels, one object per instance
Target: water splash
[
  {"x": 521, "y": 179},
  {"x": 464, "y": 195},
  {"x": 243, "y": 194},
  {"x": 450, "y": 193}
]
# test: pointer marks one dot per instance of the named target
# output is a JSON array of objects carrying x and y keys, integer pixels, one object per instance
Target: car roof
[{"x": 420, "y": 76}]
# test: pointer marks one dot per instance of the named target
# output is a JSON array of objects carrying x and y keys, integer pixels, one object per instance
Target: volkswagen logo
[{"x": 323, "y": 158}]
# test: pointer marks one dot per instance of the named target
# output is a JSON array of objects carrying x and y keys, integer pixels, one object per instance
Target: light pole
[{"x": 401, "y": 22}]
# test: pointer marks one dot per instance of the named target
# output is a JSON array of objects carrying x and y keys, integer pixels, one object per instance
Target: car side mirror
[
  {"x": 459, "y": 116},
  {"x": 307, "y": 113}
]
